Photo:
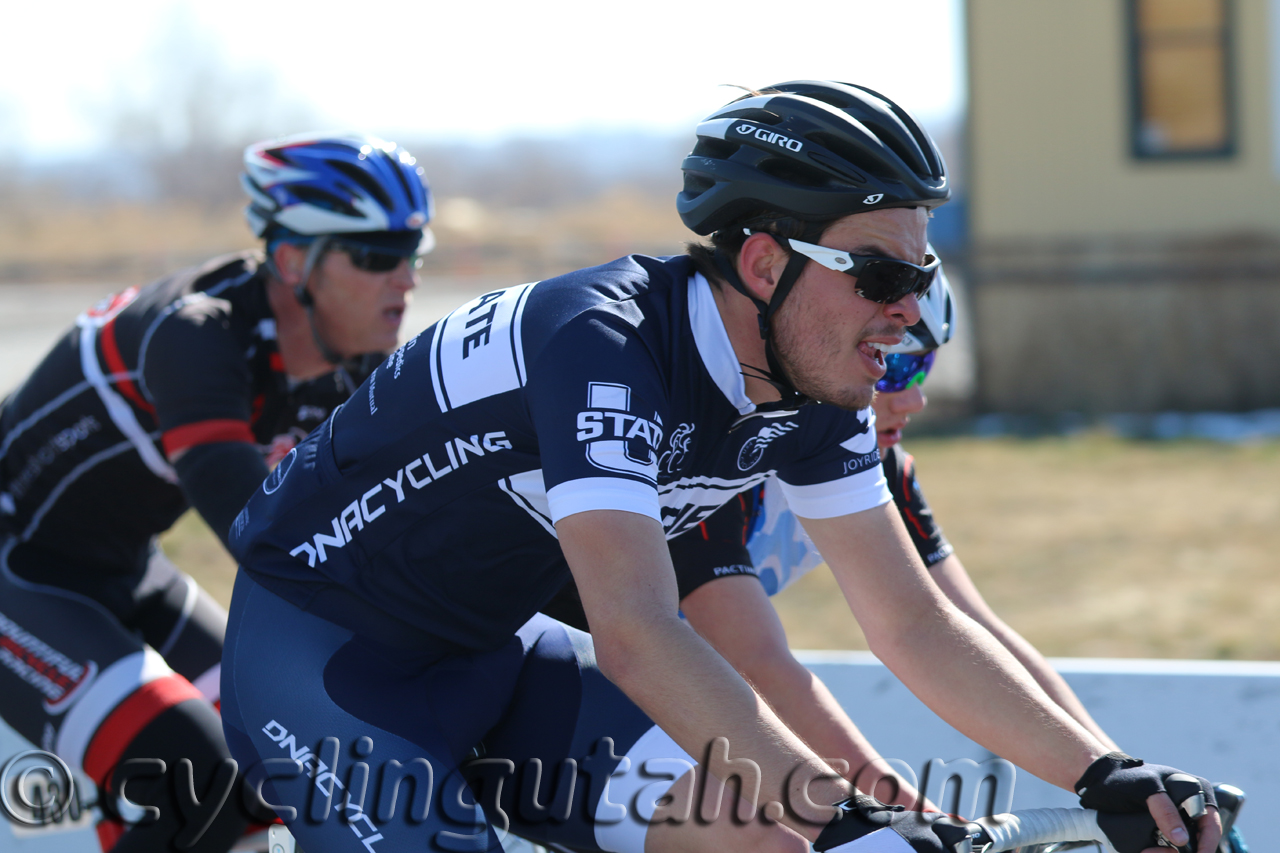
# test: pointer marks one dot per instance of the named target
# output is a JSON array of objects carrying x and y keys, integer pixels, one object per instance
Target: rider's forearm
[
  {"x": 672, "y": 674},
  {"x": 807, "y": 707},
  {"x": 717, "y": 610},
  {"x": 949, "y": 661},
  {"x": 970, "y": 680},
  {"x": 954, "y": 581}
]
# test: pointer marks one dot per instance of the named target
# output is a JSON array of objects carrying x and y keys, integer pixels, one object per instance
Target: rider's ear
[
  {"x": 290, "y": 260},
  {"x": 760, "y": 263}
]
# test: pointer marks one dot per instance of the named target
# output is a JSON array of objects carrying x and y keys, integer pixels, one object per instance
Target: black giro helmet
[{"x": 809, "y": 149}]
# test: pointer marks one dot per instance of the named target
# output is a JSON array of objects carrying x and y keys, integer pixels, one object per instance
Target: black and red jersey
[
  {"x": 926, "y": 535},
  {"x": 87, "y": 442}
]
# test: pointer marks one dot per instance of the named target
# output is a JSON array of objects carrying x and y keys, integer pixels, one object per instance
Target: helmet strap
[{"x": 300, "y": 292}]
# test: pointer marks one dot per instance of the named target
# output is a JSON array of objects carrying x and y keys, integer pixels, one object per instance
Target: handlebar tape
[{"x": 1043, "y": 826}]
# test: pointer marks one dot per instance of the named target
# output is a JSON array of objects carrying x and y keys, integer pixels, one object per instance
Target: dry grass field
[
  {"x": 1098, "y": 547},
  {"x": 137, "y": 242},
  {"x": 1090, "y": 546}
]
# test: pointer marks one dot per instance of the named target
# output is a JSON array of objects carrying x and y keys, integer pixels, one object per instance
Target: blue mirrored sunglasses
[{"x": 904, "y": 370}]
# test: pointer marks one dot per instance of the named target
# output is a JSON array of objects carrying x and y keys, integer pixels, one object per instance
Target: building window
[{"x": 1180, "y": 78}]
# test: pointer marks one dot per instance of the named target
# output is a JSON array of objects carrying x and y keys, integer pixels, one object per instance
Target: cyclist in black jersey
[
  {"x": 184, "y": 393},
  {"x": 394, "y": 564}
]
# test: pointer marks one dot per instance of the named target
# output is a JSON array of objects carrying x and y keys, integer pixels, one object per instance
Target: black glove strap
[
  {"x": 857, "y": 816},
  {"x": 1104, "y": 766}
]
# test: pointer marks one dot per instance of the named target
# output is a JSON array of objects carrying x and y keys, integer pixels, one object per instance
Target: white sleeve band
[
  {"x": 856, "y": 493},
  {"x": 591, "y": 493}
]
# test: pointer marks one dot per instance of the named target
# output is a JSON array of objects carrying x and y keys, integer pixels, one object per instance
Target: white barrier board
[{"x": 1220, "y": 719}]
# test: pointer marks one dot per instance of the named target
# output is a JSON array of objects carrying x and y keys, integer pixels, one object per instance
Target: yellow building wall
[{"x": 1049, "y": 132}]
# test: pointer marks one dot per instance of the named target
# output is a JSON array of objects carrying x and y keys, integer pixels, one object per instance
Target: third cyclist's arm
[
  {"x": 623, "y": 571},
  {"x": 736, "y": 617},
  {"x": 954, "y": 581}
]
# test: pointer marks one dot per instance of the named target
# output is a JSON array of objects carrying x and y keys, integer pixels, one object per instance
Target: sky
[{"x": 459, "y": 70}]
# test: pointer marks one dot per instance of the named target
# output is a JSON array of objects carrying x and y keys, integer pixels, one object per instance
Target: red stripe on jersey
[
  {"x": 131, "y": 716},
  {"x": 276, "y": 361},
  {"x": 115, "y": 363},
  {"x": 109, "y": 832},
  {"x": 908, "y": 467},
  {"x": 205, "y": 432}
]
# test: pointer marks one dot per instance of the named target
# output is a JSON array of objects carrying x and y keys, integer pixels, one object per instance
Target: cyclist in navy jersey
[
  {"x": 755, "y": 546},
  {"x": 182, "y": 394},
  {"x": 385, "y": 619}
]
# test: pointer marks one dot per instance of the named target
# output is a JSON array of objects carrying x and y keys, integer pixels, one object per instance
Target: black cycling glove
[
  {"x": 1121, "y": 783},
  {"x": 1133, "y": 832},
  {"x": 1117, "y": 783},
  {"x": 862, "y": 816}
]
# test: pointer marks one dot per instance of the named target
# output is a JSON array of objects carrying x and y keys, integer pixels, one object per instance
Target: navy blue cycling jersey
[{"x": 424, "y": 512}]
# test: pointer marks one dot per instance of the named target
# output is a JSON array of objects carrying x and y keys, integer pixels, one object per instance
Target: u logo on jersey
[{"x": 617, "y": 440}]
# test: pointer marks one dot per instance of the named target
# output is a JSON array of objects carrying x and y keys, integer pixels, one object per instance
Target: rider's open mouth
[{"x": 873, "y": 351}]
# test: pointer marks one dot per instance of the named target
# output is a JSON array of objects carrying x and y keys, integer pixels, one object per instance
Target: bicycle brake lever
[
  {"x": 1188, "y": 796},
  {"x": 1161, "y": 841},
  {"x": 1230, "y": 800}
]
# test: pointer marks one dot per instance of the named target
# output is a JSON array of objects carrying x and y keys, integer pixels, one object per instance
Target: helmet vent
[
  {"x": 696, "y": 185},
  {"x": 717, "y": 149},
  {"x": 759, "y": 116},
  {"x": 325, "y": 200},
  {"x": 851, "y": 154},
  {"x": 792, "y": 173},
  {"x": 399, "y": 173},
  {"x": 825, "y": 96},
  {"x": 364, "y": 180},
  {"x": 838, "y": 166}
]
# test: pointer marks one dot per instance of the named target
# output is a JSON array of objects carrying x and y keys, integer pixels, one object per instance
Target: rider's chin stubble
[{"x": 809, "y": 351}]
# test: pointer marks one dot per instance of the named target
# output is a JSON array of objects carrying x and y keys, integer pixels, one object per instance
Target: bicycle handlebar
[
  {"x": 1035, "y": 826},
  {"x": 1030, "y": 827}
]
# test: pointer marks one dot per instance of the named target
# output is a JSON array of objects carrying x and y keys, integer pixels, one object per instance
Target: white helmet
[{"x": 937, "y": 318}]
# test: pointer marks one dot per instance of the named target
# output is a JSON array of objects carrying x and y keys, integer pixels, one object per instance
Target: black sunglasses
[
  {"x": 884, "y": 280},
  {"x": 369, "y": 259}
]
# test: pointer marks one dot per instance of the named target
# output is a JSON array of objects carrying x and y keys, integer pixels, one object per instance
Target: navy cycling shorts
[{"x": 403, "y": 753}]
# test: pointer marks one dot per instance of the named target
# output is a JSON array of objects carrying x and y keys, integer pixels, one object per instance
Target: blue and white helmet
[
  {"x": 937, "y": 318},
  {"x": 317, "y": 184}
]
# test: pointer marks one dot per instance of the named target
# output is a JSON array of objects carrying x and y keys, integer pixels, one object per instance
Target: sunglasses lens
[
  {"x": 371, "y": 260},
  {"x": 888, "y": 281},
  {"x": 903, "y": 370}
]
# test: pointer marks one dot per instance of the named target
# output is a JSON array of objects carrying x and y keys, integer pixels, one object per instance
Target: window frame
[{"x": 1230, "y": 147}]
